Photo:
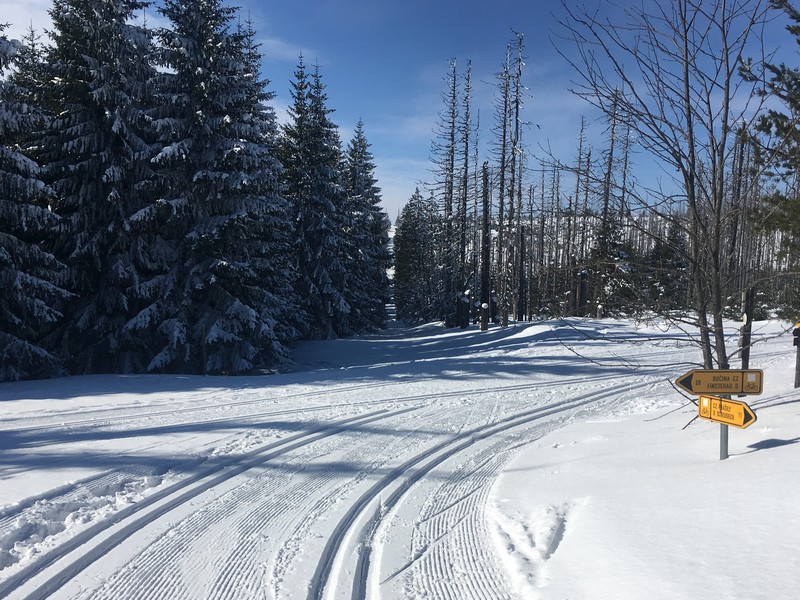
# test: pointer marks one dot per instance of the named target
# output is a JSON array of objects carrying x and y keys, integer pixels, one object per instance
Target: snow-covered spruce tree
[
  {"x": 311, "y": 155},
  {"x": 368, "y": 289},
  {"x": 273, "y": 230},
  {"x": 416, "y": 243},
  {"x": 226, "y": 301},
  {"x": 96, "y": 157},
  {"x": 30, "y": 296},
  {"x": 30, "y": 79}
]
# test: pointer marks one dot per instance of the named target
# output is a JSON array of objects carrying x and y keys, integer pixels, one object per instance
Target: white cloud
[
  {"x": 22, "y": 15},
  {"x": 281, "y": 110},
  {"x": 397, "y": 178},
  {"x": 280, "y": 50}
]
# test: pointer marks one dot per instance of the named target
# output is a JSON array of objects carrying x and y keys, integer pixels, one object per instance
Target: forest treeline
[
  {"x": 154, "y": 217},
  {"x": 688, "y": 85}
]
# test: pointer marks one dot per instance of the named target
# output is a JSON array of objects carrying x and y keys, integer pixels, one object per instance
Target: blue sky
[{"x": 384, "y": 61}]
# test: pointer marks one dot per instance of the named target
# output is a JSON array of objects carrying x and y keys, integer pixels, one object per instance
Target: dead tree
[{"x": 672, "y": 70}]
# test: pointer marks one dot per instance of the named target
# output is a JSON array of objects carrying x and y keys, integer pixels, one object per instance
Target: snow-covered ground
[{"x": 540, "y": 461}]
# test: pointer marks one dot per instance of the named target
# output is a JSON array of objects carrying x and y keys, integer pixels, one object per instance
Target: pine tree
[
  {"x": 417, "y": 252},
  {"x": 369, "y": 259},
  {"x": 311, "y": 155},
  {"x": 669, "y": 271},
  {"x": 96, "y": 157},
  {"x": 30, "y": 295},
  {"x": 225, "y": 301},
  {"x": 780, "y": 210}
]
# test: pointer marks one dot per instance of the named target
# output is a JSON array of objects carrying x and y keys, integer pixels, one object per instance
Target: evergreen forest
[{"x": 156, "y": 218}]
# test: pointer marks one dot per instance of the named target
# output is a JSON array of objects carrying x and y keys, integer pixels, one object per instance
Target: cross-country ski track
[{"x": 366, "y": 473}]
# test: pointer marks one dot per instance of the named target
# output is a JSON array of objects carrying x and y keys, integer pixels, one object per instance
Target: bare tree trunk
[
  {"x": 449, "y": 167},
  {"x": 504, "y": 118},
  {"x": 485, "y": 255},
  {"x": 462, "y": 314}
]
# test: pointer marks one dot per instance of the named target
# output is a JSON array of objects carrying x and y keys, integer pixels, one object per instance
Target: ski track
[
  {"x": 257, "y": 509},
  {"x": 449, "y": 575},
  {"x": 249, "y": 508},
  {"x": 159, "y": 505},
  {"x": 58, "y": 508},
  {"x": 231, "y": 523},
  {"x": 454, "y": 537},
  {"x": 144, "y": 414},
  {"x": 162, "y": 569}
]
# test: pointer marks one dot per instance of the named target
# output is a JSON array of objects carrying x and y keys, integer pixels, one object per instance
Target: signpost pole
[
  {"x": 723, "y": 441},
  {"x": 720, "y": 408},
  {"x": 723, "y": 429}
]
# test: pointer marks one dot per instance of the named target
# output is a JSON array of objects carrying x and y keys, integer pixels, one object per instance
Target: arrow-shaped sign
[
  {"x": 699, "y": 381},
  {"x": 727, "y": 412}
]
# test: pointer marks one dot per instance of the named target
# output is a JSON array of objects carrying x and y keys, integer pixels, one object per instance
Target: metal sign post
[
  {"x": 723, "y": 441},
  {"x": 721, "y": 409}
]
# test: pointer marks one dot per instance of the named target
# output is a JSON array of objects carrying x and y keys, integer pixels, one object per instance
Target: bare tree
[
  {"x": 443, "y": 155},
  {"x": 671, "y": 72},
  {"x": 503, "y": 109},
  {"x": 462, "y": 315}
]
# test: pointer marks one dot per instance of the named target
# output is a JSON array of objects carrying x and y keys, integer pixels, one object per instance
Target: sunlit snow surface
[{"x": 539, "y": 461}]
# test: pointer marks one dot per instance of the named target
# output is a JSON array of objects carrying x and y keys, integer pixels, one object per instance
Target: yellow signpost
[
  {"x": 725, "y": 411},
  {"x": 700, "y": 381}
]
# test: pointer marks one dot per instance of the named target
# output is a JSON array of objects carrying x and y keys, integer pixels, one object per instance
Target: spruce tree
[
  {"x": 30, "y": 79},
  {"x": 30, "y": 294},
  {"x": 226, "y": 301},
  {"x": 311, "y": 155},
  {"x": 616, "y": 287},
  {"x": 417, "y": 238},
  {"x": 780, "y": 210},
  {"x": 96, "y": 158},
  {"x": 368, "y": 239},
  {"x": 272, "y": 228}
]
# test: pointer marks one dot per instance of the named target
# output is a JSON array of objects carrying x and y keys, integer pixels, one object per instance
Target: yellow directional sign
[
  {"x": 727, "y": 412},
  {"x": 701, "y": 381}
]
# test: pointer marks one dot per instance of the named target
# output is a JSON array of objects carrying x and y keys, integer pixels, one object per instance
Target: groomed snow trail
[{"x": 364, "y": 474}]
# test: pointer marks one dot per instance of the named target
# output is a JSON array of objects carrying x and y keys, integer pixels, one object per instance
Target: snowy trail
[
  {"x": 396, "y": 486},
  {"x": 116, "y": 416},
  {"x": 369, "y": 478},
  {"x": 109, "y": 533}
]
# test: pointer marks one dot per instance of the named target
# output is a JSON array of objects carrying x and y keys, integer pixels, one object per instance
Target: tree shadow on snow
[
  {"x": 522, "y": 350},
  {"x": 41, "y": 438},
  {"x": 771, "y": 443}
]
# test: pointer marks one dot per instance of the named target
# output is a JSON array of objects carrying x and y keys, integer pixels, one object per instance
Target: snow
[{"x": 541, "y": 461}]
